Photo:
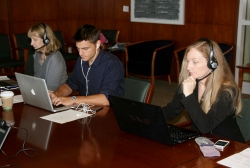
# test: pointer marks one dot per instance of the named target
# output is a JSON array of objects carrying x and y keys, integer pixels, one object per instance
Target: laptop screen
[{"x": 141, "y": 119}]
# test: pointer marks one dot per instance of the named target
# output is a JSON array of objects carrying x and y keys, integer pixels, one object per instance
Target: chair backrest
[
  {"x": 5, "y": 49},
  {"x": 138, "y": 90},
  {"x": 179, "y": 55},
  {"x": 111, "y": 35},
  {"x": 147, "y": 58},
  {"x": 143, "y": 50},
  {"x": 22, "y": 41},
  {"x": 59, "y": 36},
  {"x": 244, "y": 121},
  {"x": 227, "y": 50}
]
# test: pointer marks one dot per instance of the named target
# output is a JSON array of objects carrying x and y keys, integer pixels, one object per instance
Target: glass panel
[
  {"x": 247, "y": 10},
  {"x": 246, "y": 53}
]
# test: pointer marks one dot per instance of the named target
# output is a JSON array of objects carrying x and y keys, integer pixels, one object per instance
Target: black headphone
[
  {"x": 46, "y": 40},
  {"x": 212, "y": 62}
]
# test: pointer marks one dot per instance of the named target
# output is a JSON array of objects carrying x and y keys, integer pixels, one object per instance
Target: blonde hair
[
  {"x": 221, "y": 80},
  {"x": 38, "y": 30}
]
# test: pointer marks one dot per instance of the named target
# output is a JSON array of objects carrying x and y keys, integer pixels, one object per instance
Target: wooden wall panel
[
  {"x": 215, "y": 19},
  {"x": 34, "y": 10},
  {"x": 104, "y": 9},
  {"x": 118, "y": 10},
  {"x": 4, "y": 28},
  {"x": 3, "y": 10},
  {"x": 70, "y": 26},
  {"x": 75, "y": 9}
]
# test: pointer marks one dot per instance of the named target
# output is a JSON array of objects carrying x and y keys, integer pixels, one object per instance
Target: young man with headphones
[
  {"x": 49, "y": 63},
  {"x": 208, "y": 92},
  {"x": 96, "y": 75}
]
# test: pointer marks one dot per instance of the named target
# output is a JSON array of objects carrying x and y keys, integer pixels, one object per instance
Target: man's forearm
[
  {"x": 98, "y": 100},
  {"x": 63, "y": 90}
]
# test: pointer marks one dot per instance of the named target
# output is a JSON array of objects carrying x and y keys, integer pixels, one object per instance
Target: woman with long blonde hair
[{"x": 207, "y": 91}]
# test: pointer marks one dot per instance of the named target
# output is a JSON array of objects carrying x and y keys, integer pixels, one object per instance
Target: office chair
[
  {"x": 149, "y": 59},
  {"x": 111, "y": 36},
  {"x": 244, "y": 121},
  {"x": 8, "y": 62},
  {"x": 138, "y": 90}
]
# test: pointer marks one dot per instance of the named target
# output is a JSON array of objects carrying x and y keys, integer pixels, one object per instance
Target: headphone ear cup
[
  {"x": 46, "y": 41},
  {"x": 214, "y": 65},
  {"x": 212, "y": 62},
  {"x": 45, "y": 38}
]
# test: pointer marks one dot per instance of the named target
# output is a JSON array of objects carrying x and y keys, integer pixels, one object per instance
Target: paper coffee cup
[
  {"x": 7, "y": 100},
  {"x": 8, "y": 116}
]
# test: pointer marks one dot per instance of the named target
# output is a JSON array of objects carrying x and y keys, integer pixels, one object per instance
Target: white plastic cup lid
[{"x": 7, "y": 94}]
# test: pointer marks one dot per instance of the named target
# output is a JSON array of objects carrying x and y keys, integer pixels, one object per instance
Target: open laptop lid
[
  {"x": 141, "y": 119},
  {"x": 34, "y": 91}
]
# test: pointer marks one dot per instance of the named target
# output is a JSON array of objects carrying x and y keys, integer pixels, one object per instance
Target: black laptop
[{"x": 148, "y": 121}]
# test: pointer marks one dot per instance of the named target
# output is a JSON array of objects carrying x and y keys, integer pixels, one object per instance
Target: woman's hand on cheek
[{"x": 188, "y": 86}]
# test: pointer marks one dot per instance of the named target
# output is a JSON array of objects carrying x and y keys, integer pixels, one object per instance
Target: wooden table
[
  {"x": 96, "y": 142},
  {"x": 245, "y": 68}
]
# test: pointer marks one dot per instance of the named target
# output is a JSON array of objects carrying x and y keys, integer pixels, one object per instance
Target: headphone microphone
[
  {"x": 204, "y": 77},
  {"x": 212, "y": 62},
  {"x": 40, "y": 47}
]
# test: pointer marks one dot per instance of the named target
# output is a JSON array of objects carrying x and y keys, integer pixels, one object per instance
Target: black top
[
  {"x": 220, "y": 119},
  {"x": 104, "y": 76}
]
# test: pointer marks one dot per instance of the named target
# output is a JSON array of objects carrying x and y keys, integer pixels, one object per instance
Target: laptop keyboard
[
  {"x": 180, "y": 135},
  {"x": 60, "y": 107}
]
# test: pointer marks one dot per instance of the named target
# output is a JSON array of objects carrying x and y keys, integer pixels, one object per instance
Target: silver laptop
[{"x": 34, "y": 92}]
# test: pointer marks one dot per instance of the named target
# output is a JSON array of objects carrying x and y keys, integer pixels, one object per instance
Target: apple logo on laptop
[{"x": 33, "y": 92}]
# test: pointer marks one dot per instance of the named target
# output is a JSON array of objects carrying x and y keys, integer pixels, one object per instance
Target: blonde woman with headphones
[
  {"x": 49, "y": 63},
  {"x": 208, "y": 92}
]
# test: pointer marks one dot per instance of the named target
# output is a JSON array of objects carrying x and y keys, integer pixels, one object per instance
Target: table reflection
[
  {"x": 89, "y": 153},
  {"x": 39, "y": 129}
]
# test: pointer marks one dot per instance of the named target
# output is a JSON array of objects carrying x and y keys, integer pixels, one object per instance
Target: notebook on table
[
  {"x": 8, "y": 85},
  {"x": 34, "y": 92},
  {"x": 148, "y": 121}
]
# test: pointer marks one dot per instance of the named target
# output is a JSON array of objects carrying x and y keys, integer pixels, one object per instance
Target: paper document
[
  {"x": 4, "y": 78},
  {"x": 65, "y": 116},
  {"x": 17, "y": 99},
  {"x": 239, "y": 160}
]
